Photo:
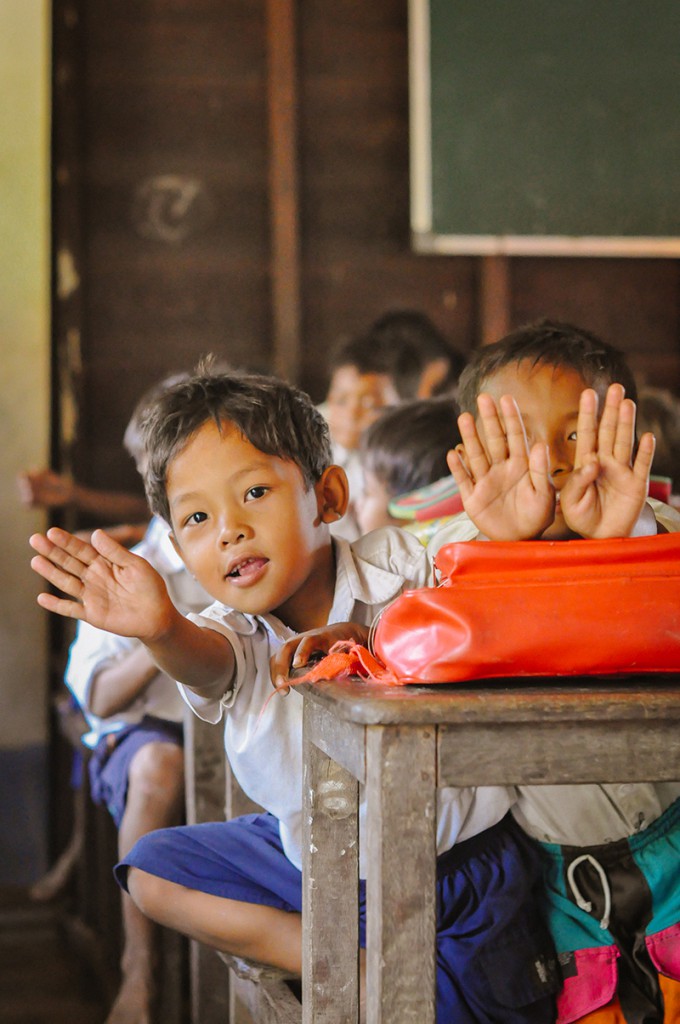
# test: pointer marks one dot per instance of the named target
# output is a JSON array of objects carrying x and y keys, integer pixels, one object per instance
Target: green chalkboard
[{"x": 545, "y": 126}]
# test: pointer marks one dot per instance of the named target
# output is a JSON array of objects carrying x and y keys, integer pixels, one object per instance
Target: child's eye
[
  {"x": 195, "y": 518},
  {"x": 572, "y": 436},
  {"x": 253, "y": 493}
]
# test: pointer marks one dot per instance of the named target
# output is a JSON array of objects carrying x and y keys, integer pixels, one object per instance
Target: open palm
[
  {"x": 607, "y": 488},
  {"x": 505, "y": 488},
  {"x": 107, "y": 585}
]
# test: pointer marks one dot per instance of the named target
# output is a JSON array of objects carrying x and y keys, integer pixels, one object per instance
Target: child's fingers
[
  {"x": 643, "y": 459},
  {"x": 63, "y": 550},
  {"x": 539, "y": 469},
  {"x": 280, "y": 662},
  {"x": 515, "y": 436},
  {"x": 495, "y": 441},
  {"x": 111, "y": 550},
  {"x": 460, "y": 474},
  {"x": 624, "y": 441},
  {"x": 606, "y": 435},
  {"x": 61, "y": 606},
  {"x": 59, "y": 578},
  {"x": 476, "y": 459},
  {"x": 586, "y": 426}
]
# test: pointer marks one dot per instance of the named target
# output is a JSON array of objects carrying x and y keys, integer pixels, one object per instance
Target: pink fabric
[
  {"x": 592, "y": 984},
  {"x": 664, "y": 949}
]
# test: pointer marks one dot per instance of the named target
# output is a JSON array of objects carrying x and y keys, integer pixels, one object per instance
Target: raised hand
[
  {"x": 505, "y": 488},
  {"x": 107, "y": 586},
  {"x": 606, "y": 491}
]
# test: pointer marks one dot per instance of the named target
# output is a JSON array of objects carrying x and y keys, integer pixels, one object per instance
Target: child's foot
[{"x": 134, "y": 1002}]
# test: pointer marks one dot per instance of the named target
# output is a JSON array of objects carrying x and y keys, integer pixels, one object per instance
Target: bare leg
[
  {"x": 154, "y": 800},
  {"x": 250, "y": 930},
  {"x": 53, "y": 883}
]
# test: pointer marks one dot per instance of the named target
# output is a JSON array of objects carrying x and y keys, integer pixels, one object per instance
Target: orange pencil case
[{"x": 538, "y": 608}]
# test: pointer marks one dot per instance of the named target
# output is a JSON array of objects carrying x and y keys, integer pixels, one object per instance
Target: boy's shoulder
[
  {"x": 228, "y": 618},
  {"x": 389, "y": 552},
  {"x": 453, "y": 529},
  {"x": 666, "y": 515}
]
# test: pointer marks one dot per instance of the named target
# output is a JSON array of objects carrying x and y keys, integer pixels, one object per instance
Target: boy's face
[
  {"x": 354, "y": 401},
  {"x": 548, "y": 399},
  {"x": 371, "y": 506},
  {"x": 249, "y": 529}
]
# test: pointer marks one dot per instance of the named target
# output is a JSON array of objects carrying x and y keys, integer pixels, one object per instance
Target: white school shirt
[
  {"x": 265, "y": 752},
  {"x": 94, "y": 649},
  {"x": 585, "y": 814}
]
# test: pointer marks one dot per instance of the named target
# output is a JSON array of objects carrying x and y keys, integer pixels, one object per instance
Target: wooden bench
[{"x": 401, "y": 743}]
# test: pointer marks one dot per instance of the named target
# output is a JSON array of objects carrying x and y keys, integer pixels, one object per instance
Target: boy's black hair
[
  {"x": 406, "y": 446},
  {"x": 658, "y": 410},
  {"x": 401, "y": 344},
  {"x": 552, "y": 343},
  {"x": 132, "y": 438},
  {"x": 363, "y": 355},
  {"x": 412, "y": 341},
  {"x": 275, "y": 417}
]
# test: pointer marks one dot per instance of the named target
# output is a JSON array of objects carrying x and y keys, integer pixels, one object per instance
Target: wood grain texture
[
  {"x": 330, "y": 968},
  {"x": 400, "y": 879}
]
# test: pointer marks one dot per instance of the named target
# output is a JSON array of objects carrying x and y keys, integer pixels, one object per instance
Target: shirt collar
[{"x": 358, "y": 580}]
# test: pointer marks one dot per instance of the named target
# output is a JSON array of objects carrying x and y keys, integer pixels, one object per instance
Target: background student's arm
[
  {"x": 43, "y": 488},
  {"x": 116, "y": 686}
]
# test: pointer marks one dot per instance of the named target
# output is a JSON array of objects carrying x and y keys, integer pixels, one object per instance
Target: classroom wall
[
  {"x": 165, "y": 133},
  {"x": 24, "y": 405}
]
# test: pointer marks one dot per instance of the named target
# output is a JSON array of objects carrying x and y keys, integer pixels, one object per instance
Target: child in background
[
  {"x": 241, "y": 467},
  {"x": 548, "y": 451},
  {"x": 361, "y": 386},
  {"x": 405, "y": 448},
  {"x": 135, "y": 714},
  {"x": 659, "y": 412},
  {"x": 423, "y": 363},
  {"x": 136, "y": 768}
]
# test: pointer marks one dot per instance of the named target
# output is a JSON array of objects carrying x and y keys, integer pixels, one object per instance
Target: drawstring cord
[{"x": 582, "y": 903}]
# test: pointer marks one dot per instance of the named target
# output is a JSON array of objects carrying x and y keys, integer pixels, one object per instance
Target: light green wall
[{"x": 24, "y": 356}]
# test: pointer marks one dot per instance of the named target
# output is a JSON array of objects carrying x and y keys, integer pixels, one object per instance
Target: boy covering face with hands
[
  {"x": 549, "y": 452},
  {"x": 548, "y": 441}
]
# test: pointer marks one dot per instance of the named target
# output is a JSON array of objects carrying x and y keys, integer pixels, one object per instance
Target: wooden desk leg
[
  {"x": 330, "y": 960},
  {"x": 401, "y": 873},
  {"x": 205, "y": 787}
]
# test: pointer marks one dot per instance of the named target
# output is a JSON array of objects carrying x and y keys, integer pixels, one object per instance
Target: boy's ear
[
  {"x": 431, "y": 377},
  {"x": 332, "y": 494}
]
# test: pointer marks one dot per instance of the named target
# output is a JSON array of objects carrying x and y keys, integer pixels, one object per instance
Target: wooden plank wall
[{"x": 217, "y": 216}]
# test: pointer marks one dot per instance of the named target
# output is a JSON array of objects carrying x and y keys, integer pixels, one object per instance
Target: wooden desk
[{"x": 400, "y": 743}]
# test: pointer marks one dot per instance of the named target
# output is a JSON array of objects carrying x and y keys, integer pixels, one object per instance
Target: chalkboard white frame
[{"x": 424, "y": 236}]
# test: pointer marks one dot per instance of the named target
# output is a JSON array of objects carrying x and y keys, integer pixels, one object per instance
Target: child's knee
[
  {"x": 149, "y": 892},
  {"x": 157, "y": 767}
]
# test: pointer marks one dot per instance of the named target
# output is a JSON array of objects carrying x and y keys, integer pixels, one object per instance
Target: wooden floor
[{"x": 42, "y": 979}]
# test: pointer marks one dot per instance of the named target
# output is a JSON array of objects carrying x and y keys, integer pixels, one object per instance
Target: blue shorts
[
  {"x": 110, "y": 761},
  {"x": 495, "y": 959}
]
